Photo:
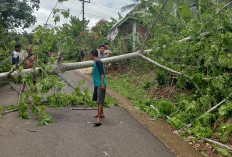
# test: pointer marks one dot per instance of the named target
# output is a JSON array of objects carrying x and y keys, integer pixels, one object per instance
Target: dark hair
[
  {"x": 102, "y": 46},
  {"x": 17, "y": 46},
  {"x": 107, "y": 44},
  {"x": 94, "y": 52}
]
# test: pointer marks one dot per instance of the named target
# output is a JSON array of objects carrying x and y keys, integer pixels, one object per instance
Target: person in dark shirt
[
  {"x": 15, "y": 54},
  {"x": 99, "y": 78}
]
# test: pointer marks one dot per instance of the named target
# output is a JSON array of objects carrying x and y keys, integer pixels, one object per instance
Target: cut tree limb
[
  {"x": 159, "y": 65},
  {"x": 30, "y": 130},
  {"x": 219, "y": 104},
  {"x": 218, "y": 143},
  {"x": 224, "y": 7},
  {"x": 6, "y": 112}
]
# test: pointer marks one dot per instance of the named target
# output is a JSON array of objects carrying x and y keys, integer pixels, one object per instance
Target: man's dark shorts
[{"x": 99, "y": 95}]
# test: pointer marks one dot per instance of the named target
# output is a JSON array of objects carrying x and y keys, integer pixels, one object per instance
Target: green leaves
[
  {"x": 57, "y": 19},
  {"x": 59, "y": 100},
  {"x": 218, "y": 83},
  {"x": 223, "y": 151},
  {"x": 175, "y": 122},
  {"x": 65, "y": 13},
  {"x": 23, "y": 107},
  {"x": 225, "y": 111},
  {"x": 225, "y": 131},
  {"x": 50, "y": 82},
  {"x": 201, "y": 131},
  {"x": 186, "y": 12},
  {"x": 21, "y": 13}
]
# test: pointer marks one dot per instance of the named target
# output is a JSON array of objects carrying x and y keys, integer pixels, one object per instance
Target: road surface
[{"x": 73, "y": 135}]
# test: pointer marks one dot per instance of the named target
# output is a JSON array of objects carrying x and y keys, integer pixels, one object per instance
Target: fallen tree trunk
[
  {"x": 61, "y": 68},
  {"x": 81, "y": 65}
]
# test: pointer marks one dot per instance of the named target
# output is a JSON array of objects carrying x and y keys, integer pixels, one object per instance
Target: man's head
[
  {"x": 102, "y": 49},
  {"x": 18, "y": 48},
  {"x": 29, "y": 50},
  {"x": 94, "y": 54},
  {"x": 107, "y": 45}
]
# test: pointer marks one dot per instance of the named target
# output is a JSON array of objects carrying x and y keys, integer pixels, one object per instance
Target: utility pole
[{"x": 83, "y": 11}]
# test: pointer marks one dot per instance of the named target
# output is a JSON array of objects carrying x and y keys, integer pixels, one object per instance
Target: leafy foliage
[{"x": 19, "y": 11}]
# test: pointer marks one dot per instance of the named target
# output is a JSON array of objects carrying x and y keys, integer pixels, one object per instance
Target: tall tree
[{"x": 18, "y": 13}]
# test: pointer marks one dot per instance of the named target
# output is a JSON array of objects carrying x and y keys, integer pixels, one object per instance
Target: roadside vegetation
[{"x": 195, "y": 41}]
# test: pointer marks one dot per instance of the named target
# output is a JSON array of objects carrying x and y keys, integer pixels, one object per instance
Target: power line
[
  {"x": 98, "y": 16},
  {"x": 83, "y": 11}
]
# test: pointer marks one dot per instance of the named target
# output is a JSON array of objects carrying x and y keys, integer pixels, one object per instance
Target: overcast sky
[{"x": 96, "y": 10}]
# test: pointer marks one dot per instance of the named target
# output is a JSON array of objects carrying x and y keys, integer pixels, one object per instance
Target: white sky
[{"x": 96, "y": 10}]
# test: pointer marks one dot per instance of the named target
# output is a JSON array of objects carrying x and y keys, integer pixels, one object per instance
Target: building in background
[{"x": 130, "y": 25}]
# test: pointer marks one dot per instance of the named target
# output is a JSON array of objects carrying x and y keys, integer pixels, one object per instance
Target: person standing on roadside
[
  {"x": 99, "y": 79},
  {"x": 15, "y": 54},
  {"x": 101, "y": 54}
]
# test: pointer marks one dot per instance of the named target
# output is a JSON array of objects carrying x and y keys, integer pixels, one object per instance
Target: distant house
[{"x": 129, "y": 25}]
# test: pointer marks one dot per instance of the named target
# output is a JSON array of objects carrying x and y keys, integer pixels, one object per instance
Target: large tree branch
[
  {"x": 60, "y": 68},
  {"x": 159, "y": 65},
  {"x": 224, "y": 7}
]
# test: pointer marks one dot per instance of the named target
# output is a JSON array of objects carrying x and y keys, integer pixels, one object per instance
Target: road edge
[{"x": 180, "y": 148}]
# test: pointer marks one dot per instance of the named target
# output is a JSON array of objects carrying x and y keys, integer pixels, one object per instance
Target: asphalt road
[{"x": 73, "y": 135}]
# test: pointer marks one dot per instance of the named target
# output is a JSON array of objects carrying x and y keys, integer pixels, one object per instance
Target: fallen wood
[
  {"x": 80, "y": 65},
  {"x": 159, "y": 65},
  {"x": 91, "y": 108},
  {"x": 207, "y": 140},
  {"x": 216, "y": 106},
  {"x": 206, "y": 34},
  {"x": 218, "y": 143},
  {"x": 155, "y": 109},
  {"x": 9, "y": 111},
  {"x": 169, "y": 69},
  {"x": 62, "y": 67},
  {"x": 30, "y": 130},
  {"x": 219, "y": 104},
  {"x": 224, "y": 7}
]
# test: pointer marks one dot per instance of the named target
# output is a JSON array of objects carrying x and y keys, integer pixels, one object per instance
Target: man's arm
[
  {"x": 35, "y": 62},
  {"x": 102, "y": 82}
]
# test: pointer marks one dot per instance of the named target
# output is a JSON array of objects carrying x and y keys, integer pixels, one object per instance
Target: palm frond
[{"x": 128, "y": 7}]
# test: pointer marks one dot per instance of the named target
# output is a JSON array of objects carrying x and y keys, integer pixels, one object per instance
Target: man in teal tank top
[{"x": 99, "y": 79}]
